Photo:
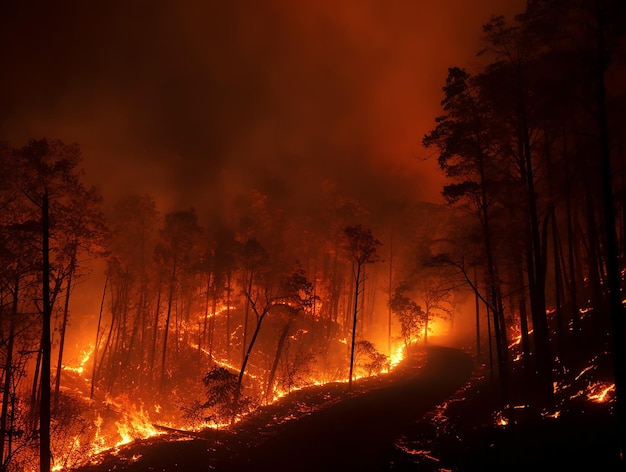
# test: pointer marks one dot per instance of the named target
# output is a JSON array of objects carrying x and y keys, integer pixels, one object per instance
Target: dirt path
[{"x": 358, "y": 434}]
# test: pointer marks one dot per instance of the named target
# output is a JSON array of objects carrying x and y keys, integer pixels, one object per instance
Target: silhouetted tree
[
  {"x": 362, "y": 247},
  {"x": 368, "y": 359},
  {"x": 464, "y": 136},
  {"x": 48, "y": 220},
  {"x": 409, "y": 314}
]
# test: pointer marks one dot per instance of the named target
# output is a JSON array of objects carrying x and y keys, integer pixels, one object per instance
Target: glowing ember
[
  {"x": 418, "y": 452},
  {"x": 500, "y": 419},
  {"x": 598, "y": 392},
  {"x": 585, "y": 370},
  {"x": 555, "y": 414}
]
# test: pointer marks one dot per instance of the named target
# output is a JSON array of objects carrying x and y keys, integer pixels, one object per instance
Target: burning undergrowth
[
  {"x": 466, "y": 432},
  {"x": 95, "y": 423},
  {"x": 218, "y": 445}
]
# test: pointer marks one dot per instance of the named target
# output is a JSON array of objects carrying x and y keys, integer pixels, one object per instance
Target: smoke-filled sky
[{"x": 192, "y": 100}]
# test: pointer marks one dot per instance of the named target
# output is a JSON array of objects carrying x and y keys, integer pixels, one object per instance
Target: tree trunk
[
  {"x": 228, "y": 289},
  {"x": 44, "y": 411},
  {"x": 477, "y": 308},
  {"x": 558, "y": 286},
  {"x": 107, "y": 344},
  {"x": 246, "y": 318},
  {"x": 98, "y": 339},
  {"x": 573, "y": 289},
  {"x": 155, "y": 333},
  {"x": 523, "y": 315},
  {"x": 279, "y": 349},
  {"x": 203, "y": 336},
  {"x": 57, "y": 382},
  {"x": 492, "y": 284},
  {"x": 167, "y": 322},
  {"x": 244, "y": 364},
  {"x": 390, "y": 295},
  {"x": 8, "y": 371},
  {"x": 212, "y": 320},
  {"x": 536, "y": 264},
  {"x": 490, "y": 342},
  {"x": 354, "y": 320}
]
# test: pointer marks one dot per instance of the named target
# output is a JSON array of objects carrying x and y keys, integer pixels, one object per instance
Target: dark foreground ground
[{"x": 435, "y": 413}]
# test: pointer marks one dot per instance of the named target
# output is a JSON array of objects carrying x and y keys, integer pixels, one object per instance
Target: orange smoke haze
[{"x": 192, "y": 101}]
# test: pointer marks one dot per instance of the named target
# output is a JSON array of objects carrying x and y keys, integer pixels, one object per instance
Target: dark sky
[{"x": 193, "y": 100}]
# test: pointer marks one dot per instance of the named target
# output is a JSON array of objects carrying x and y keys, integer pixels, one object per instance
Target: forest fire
[
  {"x": 178, "y": 258},
  {"x": 119, "y": 421}
]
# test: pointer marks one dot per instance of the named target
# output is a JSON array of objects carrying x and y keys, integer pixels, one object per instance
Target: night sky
[{"x": 193, "y": 101}]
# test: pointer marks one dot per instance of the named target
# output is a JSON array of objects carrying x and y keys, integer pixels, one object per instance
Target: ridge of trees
[{"x": 531, "y": 143}]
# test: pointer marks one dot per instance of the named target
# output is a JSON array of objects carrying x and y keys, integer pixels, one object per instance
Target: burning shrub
[
  {"x": 369, "y": 360},
  {"x": 296, "y": 372},
  {"x": 223, "y": 401}
]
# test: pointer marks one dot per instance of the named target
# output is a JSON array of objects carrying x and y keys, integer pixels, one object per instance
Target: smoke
[{"x": 195, "y": 101}]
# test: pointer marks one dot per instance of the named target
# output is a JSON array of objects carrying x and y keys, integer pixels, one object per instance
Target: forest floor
[{"x": 434, "y": 412}]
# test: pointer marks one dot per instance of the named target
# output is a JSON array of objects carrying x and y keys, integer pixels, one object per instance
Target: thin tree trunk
[
  {"x": 35, "y": 398},
  {"x": 228, "y": 289},
  {"x": 354, "y": 320},
  {"x": 155, "y": 333},
  {"x": 137, "y": 322},
  {"x": 492, "y": 284},
  {"x": 523, "y": 315},
  {"x": 57, "y": 382},
  {"x": 107, "y": 344},
  {"x": 8, "y": 371},
  {"x": 558, "y": 286},
  {"x": 279, "y": 349},
  {"x": 536, "y": 283},
  {"x": 570, "y": 249},
  {"x": 390, "y": 295},
  {"x": 98, "y": 339},
  {"x": 244, "y": 364},
  {"x": 490, "y": 342},
  {"x": 212, "y": 320},
  {"x": 44, "y": 412},
  {"x": 167, "y": 322},
  {"x": 203, "y": 337},
  {"x": 477, "y": 307},
  {"x": 247, "y": 314}
]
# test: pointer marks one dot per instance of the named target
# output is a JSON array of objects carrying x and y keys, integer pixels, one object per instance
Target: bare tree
[{"x": 362, "y": 247}]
